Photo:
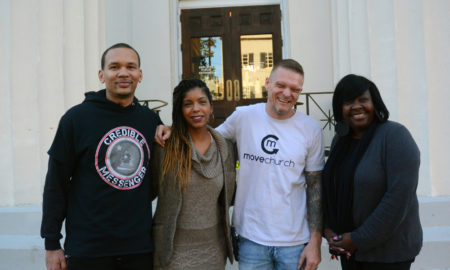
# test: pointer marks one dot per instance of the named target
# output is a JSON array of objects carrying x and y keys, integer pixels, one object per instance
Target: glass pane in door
[
  {"x": 256, "y": 64},
  {"x": 207, "y": 64}
]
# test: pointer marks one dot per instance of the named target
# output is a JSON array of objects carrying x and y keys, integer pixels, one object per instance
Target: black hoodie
[{"x": 98, "y": 179}]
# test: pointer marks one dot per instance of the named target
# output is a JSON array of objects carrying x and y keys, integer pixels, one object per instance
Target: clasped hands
[{"x": 339, "y": 244}]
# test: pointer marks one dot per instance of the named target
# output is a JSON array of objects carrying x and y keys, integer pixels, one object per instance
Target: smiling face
[
  {"x": 359, "y": 114},
  {"x": 121, "y": 75},
  {"x": 196, "y": 109},
  {"x": 283, "y": 89}
]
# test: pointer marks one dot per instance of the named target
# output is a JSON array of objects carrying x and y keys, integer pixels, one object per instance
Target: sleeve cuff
[
  {"x": 356, "y": 240},
  {"x": 52, "y": 244}
]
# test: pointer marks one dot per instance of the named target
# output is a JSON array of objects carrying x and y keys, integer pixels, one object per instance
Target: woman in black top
[{"x": 370, "y": 180}]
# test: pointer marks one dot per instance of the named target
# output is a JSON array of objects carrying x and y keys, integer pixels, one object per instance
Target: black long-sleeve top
[{"x": 98, "y": 180}]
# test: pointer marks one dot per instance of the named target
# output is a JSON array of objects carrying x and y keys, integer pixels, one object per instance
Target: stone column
[
  {"x": 47, "y": 54},
  {"x": 403, "y": 47},
  {"x": 25, "y": 65},
  {"x": 351, "y": 52},
  {"x": 6, "y": 139},
  {"x": 411, "y": 73},
  {"x": 50, "y": 76},
  {"x": 382, "y": 48},
  {"x": 310, "y": 42},
  {"x": 436, "y": 24}
]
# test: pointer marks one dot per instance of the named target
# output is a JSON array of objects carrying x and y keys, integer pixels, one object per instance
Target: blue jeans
[{"x": 259, "y": 257}]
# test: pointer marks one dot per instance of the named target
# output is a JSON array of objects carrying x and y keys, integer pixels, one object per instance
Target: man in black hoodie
[{"x": 98, "y": 178}]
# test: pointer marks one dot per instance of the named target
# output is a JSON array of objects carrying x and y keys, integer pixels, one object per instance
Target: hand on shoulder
[{"x": 162, "y": 134}]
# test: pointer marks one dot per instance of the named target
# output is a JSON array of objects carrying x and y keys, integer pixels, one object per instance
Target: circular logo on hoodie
[{"x": 122, "y": 157}]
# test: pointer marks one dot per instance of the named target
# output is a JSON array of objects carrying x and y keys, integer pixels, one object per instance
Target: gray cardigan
[
  {"x": 170, "y": 200},
  {"x": 385, "y": 205}
]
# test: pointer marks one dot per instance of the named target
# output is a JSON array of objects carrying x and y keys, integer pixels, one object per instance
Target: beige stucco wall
[
  {"x": 48, "y": 59},
  {"x": 312, "y": 46},
  {"x": 146, "y": 25},
  {"x": 50, "y": 52},
  {"x": 6, "y": 149},
  {"x": 437, "y": 64}
]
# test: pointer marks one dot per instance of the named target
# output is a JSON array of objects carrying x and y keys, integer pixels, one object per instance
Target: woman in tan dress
[{"x": 194, "y": 177}]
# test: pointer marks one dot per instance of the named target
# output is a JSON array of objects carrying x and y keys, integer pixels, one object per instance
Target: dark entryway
[{"x": 233, "y": 50}]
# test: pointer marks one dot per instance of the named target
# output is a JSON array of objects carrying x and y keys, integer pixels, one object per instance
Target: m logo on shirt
[
  {"x": 269, "y": 146},
  {"x": 269, "y": 143},
  {"x": 122, "y": 157}
]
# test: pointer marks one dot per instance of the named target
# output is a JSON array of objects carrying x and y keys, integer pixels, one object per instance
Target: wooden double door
[{"x": 233, "y": 50}]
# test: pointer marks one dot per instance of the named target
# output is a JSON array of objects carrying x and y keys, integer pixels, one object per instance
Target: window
[
  {"x": 266, "y": 59},
  {"x": 263, "y": 59},
  {"x": 244, "y": 59},
  {"x": 270, "y": 60}
]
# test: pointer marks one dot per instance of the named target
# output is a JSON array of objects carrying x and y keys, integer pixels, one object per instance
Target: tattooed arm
[
  {"x": 314, "y": 200},
  {"x": 311, "y": 253}
]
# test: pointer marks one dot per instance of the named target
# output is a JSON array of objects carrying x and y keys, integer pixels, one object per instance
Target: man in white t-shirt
[{"x": 277, "y": 211}]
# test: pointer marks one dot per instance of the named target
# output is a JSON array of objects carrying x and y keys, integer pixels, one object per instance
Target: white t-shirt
[{"x": 270, "y": 205}]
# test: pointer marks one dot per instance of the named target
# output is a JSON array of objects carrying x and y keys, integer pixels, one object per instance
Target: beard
[{"x": 281, "y": 112}]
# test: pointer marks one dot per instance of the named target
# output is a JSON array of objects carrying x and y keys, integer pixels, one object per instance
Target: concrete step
[
  {"x": 22, "y": 252},
  {"x": 20, "y": 220},
  {"x": 434, "y": 211},
  {"x": 26, "y": 220},
  {"x": 435, "y": 253},
  {"x": 21, "y": 248}
]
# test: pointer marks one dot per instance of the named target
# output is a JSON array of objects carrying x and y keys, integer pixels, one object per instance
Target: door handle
[
  {"x": 229, "y": 90},
  {"x": 237, "y": 90}
]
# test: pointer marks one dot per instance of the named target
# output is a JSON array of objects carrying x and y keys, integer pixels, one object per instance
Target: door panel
[
  {"x": 255, "y": 67},
  {"x": 206, "y": 63},
  {"x": 233, "y": 50}
]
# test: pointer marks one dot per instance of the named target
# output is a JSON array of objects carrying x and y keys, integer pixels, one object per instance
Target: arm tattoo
[{"x": 314, "y": 200}]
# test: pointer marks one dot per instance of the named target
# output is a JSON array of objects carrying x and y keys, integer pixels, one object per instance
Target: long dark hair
[
  {"x": 178, "y": 149},
  {"x": 353, "y": 86}
]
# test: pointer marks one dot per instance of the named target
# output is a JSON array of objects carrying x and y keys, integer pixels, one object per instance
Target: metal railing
[
  {"x": 329, "y": 117},
  {"x": 309, "y": 100},
  {"x": 157, "y": 109},
  {"x": 323, "y": 115}
]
